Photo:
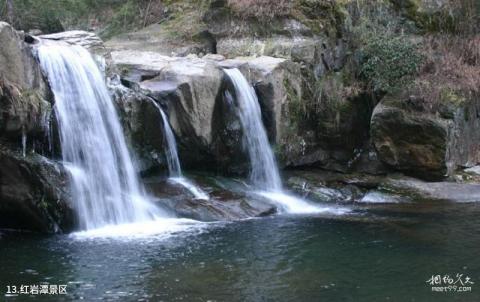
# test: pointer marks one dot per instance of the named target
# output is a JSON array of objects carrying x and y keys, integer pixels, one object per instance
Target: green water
[{"x": 375, "y": 253}]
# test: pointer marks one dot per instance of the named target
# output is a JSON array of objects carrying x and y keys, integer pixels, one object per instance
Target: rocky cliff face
[
  {"x": 23, "y": 91},
  {"x": 316, "y": 110},
  {"x": 32, "y": 188},
  {"x": 431, "y": 145}
]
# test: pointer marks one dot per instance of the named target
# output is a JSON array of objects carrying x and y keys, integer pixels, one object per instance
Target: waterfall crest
[{"x": 104, "y": 186}]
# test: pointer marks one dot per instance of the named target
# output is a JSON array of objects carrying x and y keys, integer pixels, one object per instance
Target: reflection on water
[{"x": 384, "y": 253}]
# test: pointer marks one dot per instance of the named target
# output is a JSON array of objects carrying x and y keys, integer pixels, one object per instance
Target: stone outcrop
[
  {"x": 188, "y": 90},
  {"x": 326, "y": 131},
  {"x": 427, "y": 144},
  {"x": 24, "y": 94},
  {"x": 32, "y": 189},
  {"x": 226, "y": 203},
  {"x": 32, "y": 194}
]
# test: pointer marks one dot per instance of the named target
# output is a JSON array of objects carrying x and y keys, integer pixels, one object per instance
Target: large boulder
[
  {"x": 187, "y": 89},
  {"x": 142, "y": 125},
  {"x": 32, "y": 189},
  {"x": 424, "y": 143},
  {"x": 33, "y": 194}
]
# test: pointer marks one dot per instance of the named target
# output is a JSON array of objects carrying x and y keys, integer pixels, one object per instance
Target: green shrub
[{"x": 389, "y": 62}]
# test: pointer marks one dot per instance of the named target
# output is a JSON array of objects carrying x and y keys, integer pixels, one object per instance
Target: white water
[
  {"x": 192, "y": 188},
  {"x": 173, "y": 162},
  {"x": 156, "y": 229},
  {"x": 24, "y": 143},
  {"x": 264, "y": 173},
  {"x": 104, "y": 186}
]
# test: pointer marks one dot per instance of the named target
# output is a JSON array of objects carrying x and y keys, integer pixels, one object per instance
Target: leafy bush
[
  {"x": 261, "y": 8},
  {"x": 389, "y": 62}
]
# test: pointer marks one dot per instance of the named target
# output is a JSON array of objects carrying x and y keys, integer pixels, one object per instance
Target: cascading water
[
  {"x": 173, "y": 162},
  {"x": 264, "y": 173},
  {"x": 105, "y": 188}
]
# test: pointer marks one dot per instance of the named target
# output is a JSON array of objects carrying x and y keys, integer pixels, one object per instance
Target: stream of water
[
  {"x": 264, "y": 173},
  {"x": 104, "y": 185},
  {"x": 173, "y": 161}
]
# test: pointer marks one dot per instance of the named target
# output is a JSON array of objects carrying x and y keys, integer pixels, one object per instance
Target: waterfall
[
  {"x": 104, "y": 186},
  {"x": 24, "y": 142},
  {"x": 264, "y": 171},
  {"x": 171, "y": 153},
  {"x": 173, "y": 162},
  {"x": 264, "y": 174}
]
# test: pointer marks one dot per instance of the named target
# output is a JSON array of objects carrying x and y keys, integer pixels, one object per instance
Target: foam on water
[
  {"x": 163, "y": 228},
  {"x": 294, "y": 205}
]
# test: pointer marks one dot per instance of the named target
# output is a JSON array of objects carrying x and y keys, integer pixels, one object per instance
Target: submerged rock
[
  {"x": 436, "y": 191},
  {"x": 223, "y": 204}
]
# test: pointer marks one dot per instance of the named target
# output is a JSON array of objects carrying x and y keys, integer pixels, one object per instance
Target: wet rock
[
  {"x": 189, "y": 89},
  {"x": 267, "y": 75},
  {"x": 223, "y": 205},
  {"x": 377, "y": 197},
  {"x": 142, "y": 125},
  {"x": 437, "y": 191},
  {"x": 33, "y": 194},
  {"x": 323, "y": 186}
]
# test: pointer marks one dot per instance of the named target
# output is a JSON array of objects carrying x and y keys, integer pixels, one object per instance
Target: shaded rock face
[
  {"x": 424, "y": 144},
  {"x": 409, "y": 142},
  {"x": 24, "y": 94},
  {"x": 201, "y": 106},
  {"x": 157, "y": 39},
  {"x": 32, "y": 189},
  {"x": 32, "y": 194},
  {"x": 142, "y": 125},
  {"x": 188, "y": 89}
]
